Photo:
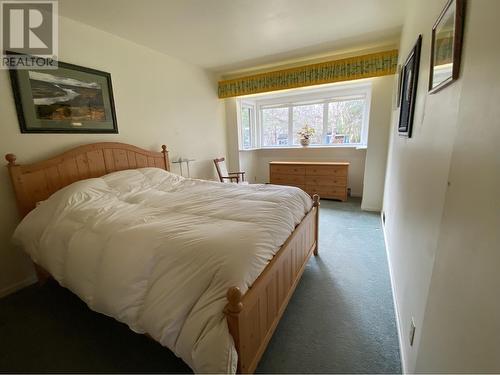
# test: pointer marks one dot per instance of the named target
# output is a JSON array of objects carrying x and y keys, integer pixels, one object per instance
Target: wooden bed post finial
[
  {"x": 11, "y": 158},
  {"x": 165, "y": 157},
  {"x": 234, "y": 305},
  {"x": 315, "y": 200}
]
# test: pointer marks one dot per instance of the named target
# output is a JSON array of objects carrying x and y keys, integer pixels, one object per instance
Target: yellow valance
[{"x": 366, "y": 66}]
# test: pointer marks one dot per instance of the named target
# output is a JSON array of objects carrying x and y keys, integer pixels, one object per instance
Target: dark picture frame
[
  {"x": 446, "y": 45},
  {"x": 69, "y": 99},
  {"x": 409, "y": 89},
  {"x": 398, "y": 92}
]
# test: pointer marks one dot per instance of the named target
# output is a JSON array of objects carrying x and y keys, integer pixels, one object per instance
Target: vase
[{"x": 305, "y": 142}]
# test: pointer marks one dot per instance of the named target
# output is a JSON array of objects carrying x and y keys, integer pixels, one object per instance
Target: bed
[{"x": 236, "y": 321}]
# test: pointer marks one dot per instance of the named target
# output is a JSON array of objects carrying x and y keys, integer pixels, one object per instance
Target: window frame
[
  {"x": 245, "y": 104},
  {"x": 316, "y": 96}
]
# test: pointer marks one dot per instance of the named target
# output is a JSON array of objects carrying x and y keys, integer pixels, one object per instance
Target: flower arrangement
[
  {"x": 306, "y": 132},
  {"x": 305, "y": 135}
]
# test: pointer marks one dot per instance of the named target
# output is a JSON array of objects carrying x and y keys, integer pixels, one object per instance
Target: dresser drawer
[
  {"x": 287, "y": 169},
  {"x": 326, "y": 170},
  {"x": 331, "y": 192},
  {"x": 327, "y": 180},
  {"x": 290, "y": 179}
]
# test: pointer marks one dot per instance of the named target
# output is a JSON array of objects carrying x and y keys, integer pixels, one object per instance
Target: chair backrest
[{"x": 220, "y": 165}]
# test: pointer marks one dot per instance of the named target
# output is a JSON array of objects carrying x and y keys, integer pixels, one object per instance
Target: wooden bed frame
[{"x": 252, "y": 317}]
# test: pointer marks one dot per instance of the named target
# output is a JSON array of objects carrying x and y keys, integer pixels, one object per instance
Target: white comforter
[{"x": 158, "y": 251}]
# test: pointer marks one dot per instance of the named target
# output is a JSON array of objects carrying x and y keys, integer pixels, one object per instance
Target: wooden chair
[{"x": 225, "y": 176}]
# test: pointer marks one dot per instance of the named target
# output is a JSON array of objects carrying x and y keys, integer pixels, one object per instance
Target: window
[
  {"x": 246, "y": 131},
  {"x": 275, "y": 126},
  {"x": 312, "y": 115},
  {"x": 247, "y": 121},
  {"x": 339, "y": 117},
  {"x": 345, "y": 121},
  {"x": 334, "y": 121}
]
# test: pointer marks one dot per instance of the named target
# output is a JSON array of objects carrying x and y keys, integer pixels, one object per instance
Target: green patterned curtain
[{"x": 366, "y": 66}]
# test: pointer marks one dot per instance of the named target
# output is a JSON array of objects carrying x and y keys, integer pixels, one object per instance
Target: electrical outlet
[{"x": 412, "y": 331}]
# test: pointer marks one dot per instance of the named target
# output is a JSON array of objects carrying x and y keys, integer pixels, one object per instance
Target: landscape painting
[
  {"x": 59, "y": 98},
  {"x": 70, "y": 99}
]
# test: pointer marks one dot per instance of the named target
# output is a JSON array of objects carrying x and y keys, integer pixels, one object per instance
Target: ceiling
[{"x": 224, "y": 35}]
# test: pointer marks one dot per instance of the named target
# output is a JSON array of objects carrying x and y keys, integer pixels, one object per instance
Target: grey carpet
[
  {"x": 340, "y": 319},
  {"x": 341, "y": 316}
]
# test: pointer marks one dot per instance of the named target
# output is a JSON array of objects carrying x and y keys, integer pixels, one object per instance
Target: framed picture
[
  {"x": 69, "y": 99},
  {"x": 409, "y": 83},
  {"x": 446, "y": 45},
  {"x": 397, "y": 88}
]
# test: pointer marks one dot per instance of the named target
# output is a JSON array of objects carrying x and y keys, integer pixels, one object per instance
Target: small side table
[{"x": 181, "y": 161}]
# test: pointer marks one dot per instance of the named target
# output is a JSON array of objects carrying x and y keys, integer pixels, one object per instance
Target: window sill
[{"x": 315, "y": 147}]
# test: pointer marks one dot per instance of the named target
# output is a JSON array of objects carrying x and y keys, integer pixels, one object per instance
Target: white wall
[
  {"x": 378, "y": 140},
  {"x": 461, "y": 330},
  {"x": 232, "y": 156},
  {"x": 158, "y": 100},
  {"x": 423, "y": 244},
  {"x": 416, "y": 180},
  {"x": 248, "y": 162}
]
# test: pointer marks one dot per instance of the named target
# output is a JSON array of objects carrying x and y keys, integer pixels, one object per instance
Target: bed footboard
[{"x": 253, "y": 317}]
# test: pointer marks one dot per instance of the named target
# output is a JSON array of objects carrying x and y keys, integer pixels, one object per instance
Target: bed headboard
[{"x": 36, "y": 182}]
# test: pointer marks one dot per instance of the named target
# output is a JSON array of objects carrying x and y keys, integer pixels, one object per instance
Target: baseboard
[
  {"x": 395, "y": 301},
  {"x": 370, "y": 209},
  {"x": 16, "y": 286}
]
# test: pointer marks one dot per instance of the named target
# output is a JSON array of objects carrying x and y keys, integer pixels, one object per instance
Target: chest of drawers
[{"x": 327, "y": 179}]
